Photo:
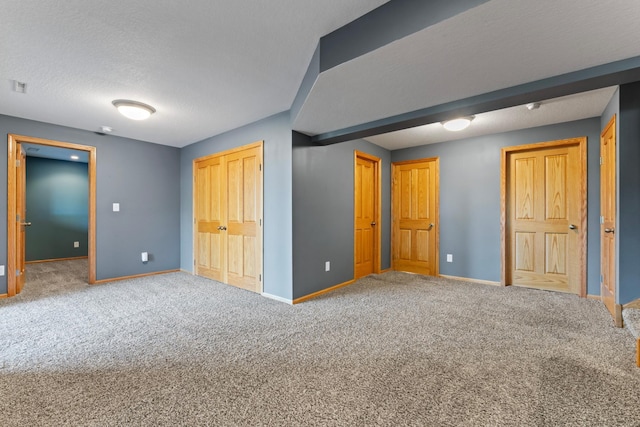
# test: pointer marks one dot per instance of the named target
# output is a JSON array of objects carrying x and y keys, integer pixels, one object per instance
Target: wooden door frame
[
  {"x": 436, "y": 160},
  {"x": 12, "y": 142},
  {"x": 377, "y": 206},
  {"x": 581, "y": 142},
  {"x": 260, "y": 235}
]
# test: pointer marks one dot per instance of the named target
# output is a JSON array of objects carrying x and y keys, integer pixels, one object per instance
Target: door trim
[
  {"x": 12, "y": 141},
  {"x": 377, "y": 206},
  {"x": 260, "y": 234},
  {"x": 581, "y": 142},
  {"x": 436, "y": 160}
]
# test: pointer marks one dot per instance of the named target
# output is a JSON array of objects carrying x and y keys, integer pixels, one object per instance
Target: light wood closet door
[
  {"x": 228, "y": 208},
  {"x": 365, "y": 207},
  {"x": 415, "y": 216},
  {"x": 545, "y": 218},
  {"x": 210, "y": 202}
]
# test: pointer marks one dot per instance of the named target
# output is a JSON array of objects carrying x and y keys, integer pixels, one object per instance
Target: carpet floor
[{"x": 390, "y": 350}]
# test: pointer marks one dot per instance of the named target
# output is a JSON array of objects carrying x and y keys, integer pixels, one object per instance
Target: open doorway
[{"x": 18, "y": 222}]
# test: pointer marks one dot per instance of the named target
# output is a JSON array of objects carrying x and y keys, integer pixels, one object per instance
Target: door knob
[
  {"x": 373, "y": 223},
  {"x": 572, "y": 227},
  {"x": 223, "y": 228},
  {"x": 26, "y": 224},
  {"x": 609, "y": 230},
  {"x": 430, "y": 226}
]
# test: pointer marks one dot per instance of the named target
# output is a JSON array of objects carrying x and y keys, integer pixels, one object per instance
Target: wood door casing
[
  {"x": 608, "y": 220},
  {"x": 544, "y": 216},
  {"x": 415, "y": 228},
  {"x": 14, "y": 191},
  {"x": 21, "y": 219},
  {"x": 366, "y": 214},
  {"x": 228, "y": 217}
]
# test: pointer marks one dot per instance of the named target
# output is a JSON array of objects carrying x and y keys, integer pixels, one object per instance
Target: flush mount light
[
  {"x": 459, "y": 124},
  {"x": 533, "y": 106},
  {"x": 134, "y": 110},
  {"x": 74, "y": 157}
]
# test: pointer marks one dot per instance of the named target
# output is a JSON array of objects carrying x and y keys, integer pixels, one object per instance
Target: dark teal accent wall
[
  {"x": 323, "y": 212},
  {"x": 57, "y": 198},
  {"x": 143, "y": 177},
  {"x": 470, "y": 197}
]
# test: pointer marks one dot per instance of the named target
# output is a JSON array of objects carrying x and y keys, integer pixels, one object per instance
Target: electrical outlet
[
  {"x": 144, "y": 256},
  {"x": 76, "y": 244},
  {"x": 1, "y": 270},
  {"x": 449, "y": 257},
  {"x": 327, "y": 266}
]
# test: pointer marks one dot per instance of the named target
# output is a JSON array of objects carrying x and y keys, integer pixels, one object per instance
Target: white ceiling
[
  {"x": 211, "y": 66},
  {"x": 207, "y": 66},
  {"x": 558, "y": 110},
  {"x": 499, "y": 44}
]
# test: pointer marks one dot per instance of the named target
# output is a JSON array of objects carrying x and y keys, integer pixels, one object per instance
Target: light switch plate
[
  {"x": 449, "y": 257},
  {"x": 1, "y": 270},
  {"x": 327, "y": 266},
  {"x": 76, "y": 244},
  {"x": 116, "y": 207}
]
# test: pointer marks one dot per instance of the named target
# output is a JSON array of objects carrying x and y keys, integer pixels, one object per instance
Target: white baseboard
[{"x": 277, "y": 298}]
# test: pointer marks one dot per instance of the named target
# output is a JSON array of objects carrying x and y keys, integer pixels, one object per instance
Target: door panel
[
  {"x": 366, "y": 214},
  {"x": 228, "y": 208},
  {"x": 415, "y": 212},
  {"x": 608, "y": 219},
  {"x": 545, "y": 216},
  {"x": 210, "y": 215}
]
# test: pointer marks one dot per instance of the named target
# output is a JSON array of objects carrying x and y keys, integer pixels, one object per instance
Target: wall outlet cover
[
  {"x": 76, "y": 244},
  {"x": 449, "y": 257}
]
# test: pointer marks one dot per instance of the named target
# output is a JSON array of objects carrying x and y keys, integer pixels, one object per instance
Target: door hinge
[
  {"x": 260, "y": 166},
  {"x": 194, "y": 262},
  {"x": 601, "y": 219},
  {"x": 18, "y": 273},
  {"x": 601, "y": 161},
  {"x": 601, "y": 279},
  {"x": 194, "y": 220},
  {"x": 260, "y": 222},
  {"x": 259, "y": 277}
]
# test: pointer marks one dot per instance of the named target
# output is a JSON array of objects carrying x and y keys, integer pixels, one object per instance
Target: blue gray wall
[
  {"x": 141, "y": 176},
  {"x": 627, "y": 229},
  {"x": 58, "y": 208},
  {"x": 277, "y": 233},
  {"x": 470, "y": 197},
  {"x": 323, "y": 212}
]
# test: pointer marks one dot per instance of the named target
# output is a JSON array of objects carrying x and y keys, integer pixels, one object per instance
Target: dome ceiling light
[{"x": 134, "y": 110}]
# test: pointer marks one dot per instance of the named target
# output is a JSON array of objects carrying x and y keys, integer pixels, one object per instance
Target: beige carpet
[{"x": 392, "y": 349}]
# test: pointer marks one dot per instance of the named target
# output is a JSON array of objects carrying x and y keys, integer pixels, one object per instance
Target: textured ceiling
[
  {"x": 211, "y": 66},
  {"x": 567, "y": 108},
  {"x": 206, "y": 66},
  {"x": 499, "y": 44}
]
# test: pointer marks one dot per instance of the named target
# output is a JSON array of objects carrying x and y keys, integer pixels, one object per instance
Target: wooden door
[
  {"x": 21, "y": 218},
  {"x": 210, "y": 180},
  {"x": 608, "y": 219},
  {"x": 242, "y": 229},
  {"x": 228, "y": 217},
  {"x": 366, "y": 214},
  {"x": 415, "y": 216},
  {"x": 546, "y": 216}
]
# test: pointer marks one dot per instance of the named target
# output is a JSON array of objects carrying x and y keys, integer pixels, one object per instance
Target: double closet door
[{"x": 228, "y": 217}]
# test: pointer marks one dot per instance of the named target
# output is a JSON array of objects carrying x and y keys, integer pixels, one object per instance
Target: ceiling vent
[{"x": 20, "y": 87}]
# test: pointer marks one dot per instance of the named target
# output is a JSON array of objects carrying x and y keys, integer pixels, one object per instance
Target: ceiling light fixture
[
  {"x": 133, "y": 110},
  {"x": 458, "y": 124},
  {"x": 74, "y": 157},
  {"x": 533, "y": 106}
]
